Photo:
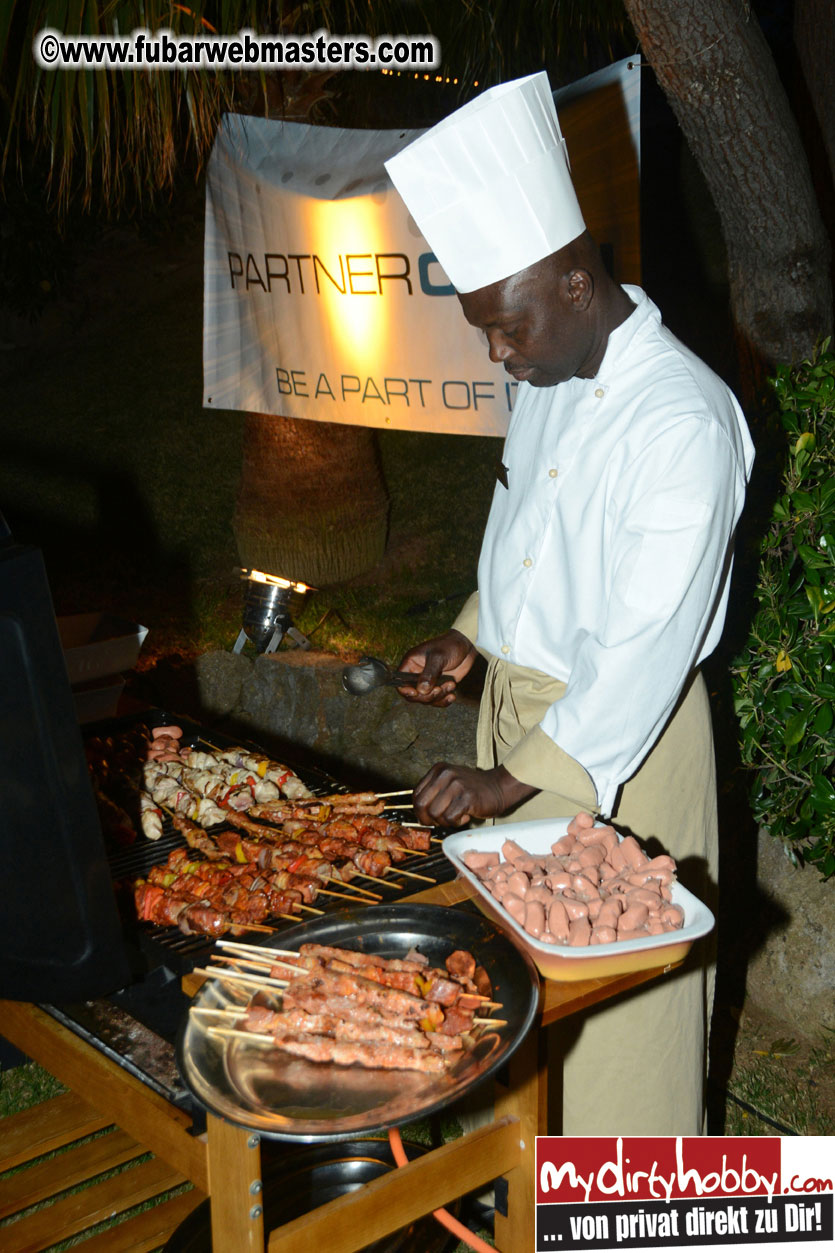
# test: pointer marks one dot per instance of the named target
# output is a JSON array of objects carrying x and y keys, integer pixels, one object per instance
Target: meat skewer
[
  {"x": 338, "y": 821},
  {"x": 367, "y": 1054},
  {"x": 265, "y": 960},
  {"x": 321, "y": 807},
  {"x": 237, "y": 894},
  {"x": 280, "y": 969},
  {"x": 342, "y": 992},
  {"x": 359, "y": 1027},
  {"x": 167, "y": 791},
  {"x": 403, "y": 980},
  {"x": 360, "y": 826},
  {"x": 150, "y": 817},
  {"x": 365, "y": 992},
  {"x": 288, "y": 854},
  {"x": 339, "y": 1006},
  {"x": 310, "y": 955},
  {"x": 416, "y": 840},
  {"x": 228, "y": 778},
  {"x": 279, "y": 892},
  {"x": 338, "y": 993},
  {"x": 268, "y": 960},
  {"x": 280, "y": 779},
  {"x": 233, "y": 790},
  {"x": 227, "y": 846},
  {"x": 372, "y": 861},
  {"x": 211, "y": 782},
  {"x": 366, "y": 836},
  {"x": 237, "y": 779},
  {"x": 190, "y": 914},
  {"x": 282, "y": 776}
]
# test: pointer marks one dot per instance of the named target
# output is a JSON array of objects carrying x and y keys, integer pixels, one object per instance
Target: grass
[
  {"x": 26, "y": 1085},
  {"x": 29, "y": 1084},
  {"x": 775, "y": 1079}
]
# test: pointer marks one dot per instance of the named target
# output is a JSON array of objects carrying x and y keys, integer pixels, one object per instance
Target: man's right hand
[{"x": 449, "y": 654}]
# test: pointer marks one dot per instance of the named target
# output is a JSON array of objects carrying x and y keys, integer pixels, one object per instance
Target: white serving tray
[
  {"x": 559, "y": 961},
  {"x": 99, "y": 645}
]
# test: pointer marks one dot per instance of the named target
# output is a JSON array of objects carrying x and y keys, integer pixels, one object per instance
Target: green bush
[{"x": 784, "y": 681}]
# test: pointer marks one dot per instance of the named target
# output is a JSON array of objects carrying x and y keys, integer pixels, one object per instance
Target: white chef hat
[{"x": 489, "y": 187}]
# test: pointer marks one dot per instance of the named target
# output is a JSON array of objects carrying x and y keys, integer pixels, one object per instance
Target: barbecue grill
[
  {"x": 64, "y": 942},
  {"x": 136, "y": 1025},
  {"x": 119, "y": 994},
  {"x": 98, "y": 986}
]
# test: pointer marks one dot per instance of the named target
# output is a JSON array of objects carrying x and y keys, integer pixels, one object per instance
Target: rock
[
  {"x": 795, "y": 968},
  {"x": 297, "y": 696},
  {"x": 220, "y": 679},
  {"x": 396, "y": 731}
]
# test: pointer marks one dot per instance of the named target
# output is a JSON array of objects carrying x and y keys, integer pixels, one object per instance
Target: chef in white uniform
[{"x": 604, "y": 572}]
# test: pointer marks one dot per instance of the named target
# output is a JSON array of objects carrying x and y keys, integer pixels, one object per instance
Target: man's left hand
[{"x": 449, "y": 796}]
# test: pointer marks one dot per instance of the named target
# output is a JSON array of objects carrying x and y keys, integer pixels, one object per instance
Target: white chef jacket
[{"x": 606, "y": 561}]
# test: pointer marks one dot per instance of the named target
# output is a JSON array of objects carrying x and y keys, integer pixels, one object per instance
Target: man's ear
[{"x": 579, "y": 289}]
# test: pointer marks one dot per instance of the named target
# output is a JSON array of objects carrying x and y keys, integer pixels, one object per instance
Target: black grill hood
[{"x": 60, "y": 936}]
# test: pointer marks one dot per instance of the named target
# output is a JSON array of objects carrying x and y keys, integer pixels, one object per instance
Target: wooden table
[{"x": 225, "y": 1162}]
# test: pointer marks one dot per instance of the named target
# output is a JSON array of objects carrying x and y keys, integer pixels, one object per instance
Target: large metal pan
[{"x": 287, "y": 1098}]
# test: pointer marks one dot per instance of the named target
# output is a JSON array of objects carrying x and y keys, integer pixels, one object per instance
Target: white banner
[{"x": 323, "y": 301}]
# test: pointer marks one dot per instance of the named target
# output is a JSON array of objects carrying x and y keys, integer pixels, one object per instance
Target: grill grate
[{"x": 181, "y": 953}]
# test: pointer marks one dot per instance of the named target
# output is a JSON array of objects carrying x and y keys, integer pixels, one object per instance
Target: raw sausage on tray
[{"x": 591, "y": 889}]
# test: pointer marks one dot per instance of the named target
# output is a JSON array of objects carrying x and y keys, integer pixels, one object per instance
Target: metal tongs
[{"x": 371, "y": 672}]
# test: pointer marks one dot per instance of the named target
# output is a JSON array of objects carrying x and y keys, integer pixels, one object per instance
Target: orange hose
[{"x": 443, "y": 1216}]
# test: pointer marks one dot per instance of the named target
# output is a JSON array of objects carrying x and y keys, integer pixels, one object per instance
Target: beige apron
[{"x": 637, "y": 1065}]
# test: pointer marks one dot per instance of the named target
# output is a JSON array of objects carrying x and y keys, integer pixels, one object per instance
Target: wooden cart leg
[
  {"x": 525, "y": 1098},
  {"x": 235, "y": 1188}
]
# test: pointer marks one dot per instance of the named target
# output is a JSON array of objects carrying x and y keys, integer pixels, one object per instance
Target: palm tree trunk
[
  {"x": 714, "y": 65},
  {"x": 312, "y": 505},
  {"x": 814, "y": 41}
]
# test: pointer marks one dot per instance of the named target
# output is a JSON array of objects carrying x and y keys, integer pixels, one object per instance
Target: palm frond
[{"x": 118, "y": 136}]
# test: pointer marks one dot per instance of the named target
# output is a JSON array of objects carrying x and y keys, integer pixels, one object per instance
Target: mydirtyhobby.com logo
[{"x": 675, "y": 1191}]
